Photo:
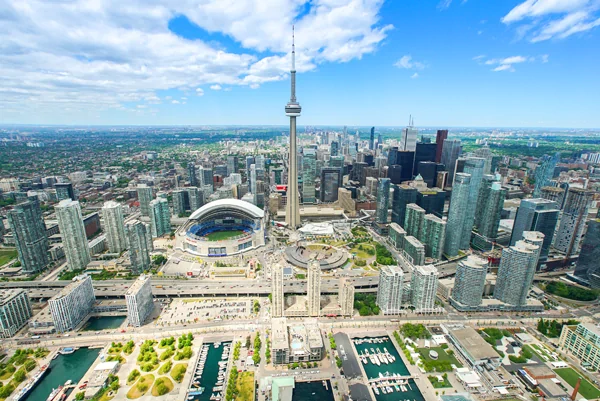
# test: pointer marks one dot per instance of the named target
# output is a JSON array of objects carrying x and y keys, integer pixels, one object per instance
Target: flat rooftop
[
  {"x": 279, "y": 333},
  {"x": 137, "y": 284},
  {"x": 8, "y": 294},
  {"x": 77, "y": 281},
  {"x": 472, "y": 342}
]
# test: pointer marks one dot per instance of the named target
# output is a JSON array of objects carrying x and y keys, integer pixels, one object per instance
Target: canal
[
  {"x": 304, "y": 391},
  {"x": 63, "y": 368},
  {"x": 98, "y": 323},
  {"x": 396, "y": 367},
  {"x": 209, "y": 377}
]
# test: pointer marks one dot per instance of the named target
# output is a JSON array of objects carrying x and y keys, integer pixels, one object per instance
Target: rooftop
[
  {"x": 135, "y": 287},
  {"x": 77, "y": 281},
  {"x": 473, "y": 343},
  {"x": 8, "y": 294}
]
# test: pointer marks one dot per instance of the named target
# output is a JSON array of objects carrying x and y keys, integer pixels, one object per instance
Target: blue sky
[{"x": 510, "y": 63}]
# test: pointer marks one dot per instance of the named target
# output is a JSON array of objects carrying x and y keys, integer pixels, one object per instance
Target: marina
[
  {"x": 387, "y": 374},
  {"x": 62, "y": 369},
  {"x": 209, "y": 376}
]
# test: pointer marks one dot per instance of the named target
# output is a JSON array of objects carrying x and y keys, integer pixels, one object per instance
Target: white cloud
[
  {"x": 117, "y": 53},
  {"x": 415, "y": 75},
  {"x": 504, "y": 67},
  {"x": 199, "y": 91},
  {"x": 175, "y": 101},
  {"x": 215, "y": 87},
  {"x": 184, "y": 98},
  {"x": 550, "y": 19},
  {"x": 444, "y": 4},
  {"x": 254, "y": 86},
  {"x": 407, "y": 62},
  {"x": 507, "y": 63}
]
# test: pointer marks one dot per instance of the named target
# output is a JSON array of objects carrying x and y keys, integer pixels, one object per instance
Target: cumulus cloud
[
  {"x": 216, "y": 87},
  {"x": 408, "y": 63},
  {"x": 507, "y": 63},
  {"x": 540, "y": 20},
  {"x": 199, "y": 91},
  {"x": 105, "y": 55},
  {"x": 175, "y": 101},
  {"x": 415, "y": 75}
]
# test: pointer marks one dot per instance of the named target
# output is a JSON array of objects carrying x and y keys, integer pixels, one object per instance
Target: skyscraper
[
  {"x": 145, "y": 196},
  {"x": 29, "y": 232},
  {"x": 139, "y": 301},
  {"x": 346, "y": 297},
  {"x": 451, "y": 151},
  {"x": 425, "y": 152},
  {"x": 414, "y": 220},
  {"x": 64, "y": 190},
  {"x": 433, "y": 236},
  {"x": 441, "y": 136},
  {"x": 232, "y": 164},
  {"x": 459, "y": 203},
  {"x": 515, "y": 273},
  {"x": 139, "y": 242},
  {"x": 390, "y": 290},
  {"x": 408, "y": 140},
  {"x": 70, "y": 223},
  {"x": 414, "y": 251},
  {"x": 423, "y": 287},
  {"x": 372, "y": 139},
  {"x": 195, "y": 198},
  {"x": 383, "y": 200},
  {"x": 179, "y": 196},
  {"x": 544, "y": 173},
  {"x": 292, "y": 110},
  {"x": 15, "y": 311},
  {"x": 160, "y": 217},
  {"x": 536, "y": 215},
  {"x": 112, "y": 212},
  {"x": 403, "y": 196},
  {"x": 277, "y": 296},
  {"x": 572, "y": 222},
  {"x": 473, "y": 166},
  {"x": 469, "y": 282},
  {"x": 309, "y": 171},
  {"x": 331, "y": 181},
  {"x": 72, "y": 304},
  {"x": 588, "y": 269},
  {"x": 314, "y": 288},
  {"x": 192, "y": 175},
  {"x": 489, "y": 207}
]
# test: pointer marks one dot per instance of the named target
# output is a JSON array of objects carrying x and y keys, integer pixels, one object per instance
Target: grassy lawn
[
  {"x": 442, "y": 355},
  {"x": 6, "y": 255},
  {"x": 362, "y": 254},
  {"x": 221, "y": 235},
  {"x": 542, "y": 352},
  {"x": 439, "y": 384},
  {"x": 178, "y": 371},
  {"x": 166, "y": 382},
  {"x": 245, "y": 386},
  {"x": 587, "y": 390},
  {"x": 140, "y": 387}
]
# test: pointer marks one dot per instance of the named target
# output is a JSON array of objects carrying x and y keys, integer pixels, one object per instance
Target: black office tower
[
  {"x": 372, "y": 139},
  {"x": 425, "y": 152},
  {"x": 406, "y": 159},
  {"x": 403, "y": 195}
]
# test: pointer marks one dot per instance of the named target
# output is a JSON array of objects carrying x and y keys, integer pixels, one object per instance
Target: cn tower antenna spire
[{"x": 293, "y": 110}]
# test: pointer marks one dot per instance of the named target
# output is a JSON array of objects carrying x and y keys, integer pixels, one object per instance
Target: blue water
[
  {"x": 98, "y": 323},
  {"x": 398, "y": 367},
  {"x": 208, "y": 380},
  {"x": 72, "y": 366},
  {"x": 304, "y": 391}
]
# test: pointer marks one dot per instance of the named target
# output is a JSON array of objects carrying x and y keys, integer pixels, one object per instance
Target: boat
[
  {"x": 32, "y": 383},
  {"x": 217, "y": 345},
  {"x": 54, "y": 393},
  {"x": 66, "y": 350},
  {"x": 68, "y": 382},
  {"x": 196, "y": 392}
]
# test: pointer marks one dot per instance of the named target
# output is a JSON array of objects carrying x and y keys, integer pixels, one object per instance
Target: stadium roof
[{"x": 223, "y": 204}]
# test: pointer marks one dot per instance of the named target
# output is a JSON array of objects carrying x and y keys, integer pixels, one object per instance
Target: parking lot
[{"x": 182, "y": 311}]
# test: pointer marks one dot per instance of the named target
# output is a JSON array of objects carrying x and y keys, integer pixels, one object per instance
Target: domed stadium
[{"x": 221, "y": 228}]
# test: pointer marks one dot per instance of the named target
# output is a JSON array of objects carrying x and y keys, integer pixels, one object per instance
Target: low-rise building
[{"x": 474, "y": 349}]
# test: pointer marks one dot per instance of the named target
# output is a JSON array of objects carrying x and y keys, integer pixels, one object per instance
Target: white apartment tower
[
  {"x": 139, "y": 301},
  {"x": 389, "y": 292},
  {"x": 346, "y": 297},
  {"x": 112, "y": 212},
  {"x": 15, "y": 311},
  {"x": 74, "y": 240},
  {"x": 423, "y": 286},
  {"x": 277, "y": 296},
  {"x": 72, "y": 304},
  {"x": 314, "y": 288}
]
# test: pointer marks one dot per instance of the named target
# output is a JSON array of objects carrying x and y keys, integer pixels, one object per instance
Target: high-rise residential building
[
  {"x": 515, "y": 273},
  {"x": 15, "y": 311},
  {"x": 193, "y": 177},
  {"x": 414, "y": 251},
  {"x": 139, "y": 242},
  {"x": 314, "y": 288},
  {"x": 433, "y": 236},
  {"x": 469, "y": 282},
  {"x": 72, "y": 304},
  {"x": 473, "y": 166},
  {"x": 309, "y": 173},
  {"x": 459, "y": 203},
  {"x": 221, "y": 170},
  {"x": 346, "y": 297},
  {"x": 485, "y": 153},
  {"x": 489, "y": 207},
  {"x": 536, "y": 214},
  {"x": 195, "y": 198},
  {"x": 160, "y": 217},
  {"x": 249, "y": 161},
  {"x": 383, "y": 200},
  {"x": 145, "y": 196},
  {"x": 64, "y": 190},
  {"x": 139, "y": 301},
  {"x": 371, "y": 185},
  {"x": 413, "y": 220},
  {"x": 403, "y": 196},
  {"x": 331, "y": 181},
  {"x": 74, "y": 240},
  {"x": 408, "y": 140},
  {"x": 112, "y": 213},
  {"x": 396, "y": 235},
  {"x": 372, "y": 139},
  {"x": 544, "y": 172},
  {"x": 334, "y": 149},
  {"x": 179, "y": 196},
  {"x": 423, "y": 287},
  {"x": 29, "y": 231},
  {"x": 277, "y": 295},
  {"x": 293, "y": 110},
  {"x": 441, "y": 136},
  {"x": 587, "y": 268},
  {"x": 207, "y": 178},
  {"x": 232, "y": 164},
  {"x": 451, "y": 151},
  {"x": 555, "y": 194},
  {"x": 572, "y": 222},
  {"x": 390, "y": 290}
]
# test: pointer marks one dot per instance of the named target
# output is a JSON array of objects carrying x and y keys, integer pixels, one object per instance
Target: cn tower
[{"x": 292, "y": 110}]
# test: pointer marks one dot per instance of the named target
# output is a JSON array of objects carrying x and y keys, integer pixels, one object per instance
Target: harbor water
[
  {"x": 304, "y": 391},
  {"x": 209, "y": 377},
  {"x": 397, "y": 367},
  {"x": 65, "y": 367},
  {"x": 98, "y": 323}
]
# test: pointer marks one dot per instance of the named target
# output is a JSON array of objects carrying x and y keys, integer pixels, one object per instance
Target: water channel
[{"x": 98, "y": 323}]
